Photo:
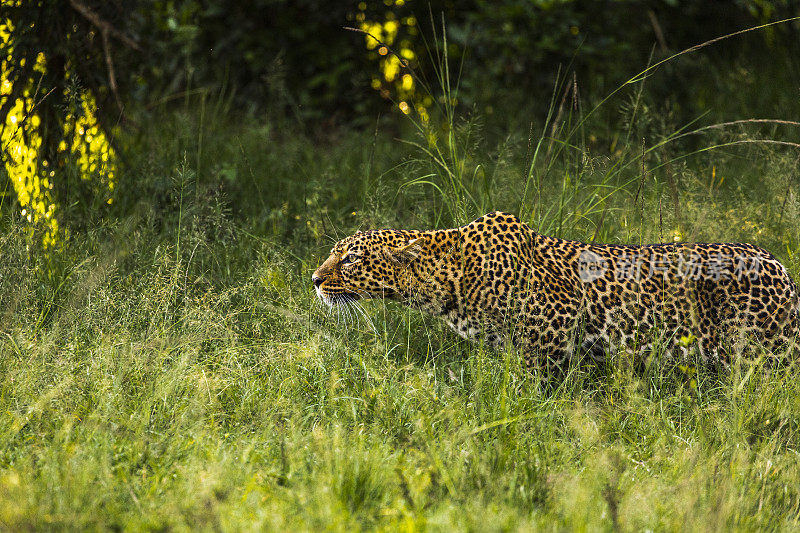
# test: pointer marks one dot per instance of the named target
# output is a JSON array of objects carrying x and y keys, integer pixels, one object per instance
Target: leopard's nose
[{"x": 317, "y": 280}]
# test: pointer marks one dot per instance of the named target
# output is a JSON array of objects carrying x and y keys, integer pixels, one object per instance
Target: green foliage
[
  {"x": 284, "y": 60},
  {"x": 519, "y": 44},
  {"x": 506, "y": 54},
  {"x": 176, "y": 357}
]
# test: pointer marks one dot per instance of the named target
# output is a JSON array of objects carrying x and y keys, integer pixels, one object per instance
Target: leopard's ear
[{"x": 402, "y": 255}]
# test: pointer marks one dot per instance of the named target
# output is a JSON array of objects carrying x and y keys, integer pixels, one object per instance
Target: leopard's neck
[{"x": 432, "y": 281}]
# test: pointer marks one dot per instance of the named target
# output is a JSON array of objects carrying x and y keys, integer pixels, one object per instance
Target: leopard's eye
[{"x": 352, "y": 257}]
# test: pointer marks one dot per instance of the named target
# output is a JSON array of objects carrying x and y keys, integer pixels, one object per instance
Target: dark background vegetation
[{"x": 290, "y": 64}]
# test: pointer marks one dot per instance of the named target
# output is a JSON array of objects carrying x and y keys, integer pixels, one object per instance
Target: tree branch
[
  {"x": 103, "y": 25},
  {"x": 106, "y": 30},
  {"x": 112, "y": 79}
]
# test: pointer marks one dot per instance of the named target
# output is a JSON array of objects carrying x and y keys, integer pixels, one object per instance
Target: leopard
[{"x": 498, "y": 281}]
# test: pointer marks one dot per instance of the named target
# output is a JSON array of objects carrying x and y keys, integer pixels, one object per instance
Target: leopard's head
[{"x": 366, "y": 265}]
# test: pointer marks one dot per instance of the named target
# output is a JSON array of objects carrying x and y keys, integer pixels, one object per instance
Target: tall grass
[
  {"x": 170, "y": 368},
  {"x": 563, "y": 157}
]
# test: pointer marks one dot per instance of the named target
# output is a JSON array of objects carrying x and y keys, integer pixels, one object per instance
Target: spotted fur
[{"x": 497, "y": 279}]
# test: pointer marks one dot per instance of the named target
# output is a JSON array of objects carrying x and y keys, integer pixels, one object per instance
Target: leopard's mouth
[{"x": 335, "y": 298}]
